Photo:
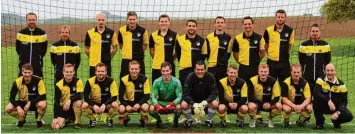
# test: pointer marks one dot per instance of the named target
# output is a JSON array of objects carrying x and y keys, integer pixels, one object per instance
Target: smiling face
[
  {"x": 64, "y": 33},
  {"x": 68, "y": 73},
  {"x": 219, "y": 25},
  {"x": 232, "y": 74},
  {"x": 280, "y": 18},
  {"x": 164, "y": 23},
  {"x": 166, "y": 73},
  {"x": 101, "y": 73},
  {"x": 134, "y": 70},
  {"x": 263, "y": 73},
  {"x": 132, "y": 21},
  {"x": 27, "y": 74},
  {"x": 330, "y": 72},
  {"x": 315, "y": 33},
  {"x": 200, "y": 71},
  {"x": 191, "y": 28},
  {"x": 248, "y": 25},
  {"x": 296, "y": 73},
  {"x": 31, "y": 21}
]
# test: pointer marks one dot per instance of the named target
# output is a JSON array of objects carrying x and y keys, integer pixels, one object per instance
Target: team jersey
[
  {"x": 268, "y": 91},
  {"x": 163, "y": 47},
  {"x": 137, "y": 91},
  {"x": 162, "y": 92},
  {"x": 219, "y": 48},
  {"x": 237, "y": 93},
  {"x": 296, "y": 93},
  {"x": 198, "y": 90},
  {"x": 100, "y": 92},
  {"x": 65, "y": 91}
]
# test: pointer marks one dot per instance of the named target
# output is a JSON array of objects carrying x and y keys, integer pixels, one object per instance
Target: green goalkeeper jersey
[{"x": 163, "y": 93}]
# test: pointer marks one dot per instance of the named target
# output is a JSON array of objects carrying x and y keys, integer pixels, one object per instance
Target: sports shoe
[
  {"x": 318, "y": 127},
  {"x": 252, "y": 123},
  {"x": 223, "y": 124},
  {"x": 92, "y": 123},
  {"x": 286, "y": 123},
  {"x": 39, "y": 124},
  {"x": 109, "y": 123},
  {"x": 260, "y": 120},
  {"x": 21, "y": 123},
  {"x": 159, "y": 124},
  {"x": 240, "y": 122},
  {"x": 143, "y": 122},
  {"x": 176, "y": 123},
  {"x": 77, "y": 126},
  {"x": 188, "y": 123},
  {"x": 269, "y": 123},
  {"x": 209, "y": 123},
  {"x": 182, "y": 120}
]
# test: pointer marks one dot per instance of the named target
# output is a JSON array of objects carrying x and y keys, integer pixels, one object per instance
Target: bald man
[
  {"x": 331, "y": 97},
  {"x": 98, "y": 42}
]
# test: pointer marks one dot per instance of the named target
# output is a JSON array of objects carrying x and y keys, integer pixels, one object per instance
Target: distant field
[{"x": 343, "y": 56}]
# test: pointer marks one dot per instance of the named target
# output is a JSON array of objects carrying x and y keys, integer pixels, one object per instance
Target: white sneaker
[
  {"x": 252, "y": 123},
  {"x": 269, "y": 123},
  {"x": 197, "y": 120},
  {"x": 182, "y": 120}
]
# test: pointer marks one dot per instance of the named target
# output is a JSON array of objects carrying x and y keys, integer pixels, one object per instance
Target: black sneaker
[
  {"x": 39, "y": 124},
  {"x": 159, "y": 124},
  {"x": 109, "y": 123},
  {"x": 223, "y": 123},
  {"x": 307, "y": 119},
  {"x": 286, "y": 123},
  {"x": 77, "y": 126},
  {"x": 92, "y": 123},
  {"x": 142, "y": 123},
  {"x": 318, "y": 127},
  {"x": 21, "y": 123},
  {"x": 176, "y": 123},
  {"x": 240, "y": 122},
  {"x": 188, "y": 123},
  {"x": 337, "y": 125},
  {"x": 209, "y": 124}
]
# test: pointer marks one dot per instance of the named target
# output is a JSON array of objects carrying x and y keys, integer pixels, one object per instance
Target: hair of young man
[
  {"x": 165, "y": 64},
  {"x": 194, "y": 21},
  {"x": 164, "y": 16},
  {"x": 31, "y": 13},
  {"x": 248, "y": 18},
  {"x": 281, "y": 11}
]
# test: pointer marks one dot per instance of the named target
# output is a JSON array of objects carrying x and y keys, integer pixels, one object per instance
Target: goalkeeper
[
  {"x": 200, "y": 92},
  {"x": 166, "y": 95}
]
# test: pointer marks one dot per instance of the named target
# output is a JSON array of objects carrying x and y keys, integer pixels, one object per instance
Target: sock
[
  {"x": 222, "y": 116},
  {"x": 77, "y": 113},
  {"x": 124, "y": 115},
  {"x": 144, "y": 115},
  {"x": 304, "y": 115},
  {"x": 88, "y": 112},
  {"x": 40, "y": 114},
  {"x": 112, "y": 113},
  {"x": 285, "y": 116},
  {"x": 188, "y": 114},
  {"x": 177, "y": 115},
  {"x": 241, "y": 115},
  {"x": 210, "y": 114},
  {"x": 155, "y": 115},
  {"x": 14, "y": 114},
  {"x": 273, "y": 113}
]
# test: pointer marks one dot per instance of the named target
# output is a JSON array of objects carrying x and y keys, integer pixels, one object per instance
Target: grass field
[{"x": 343, "y": 56}]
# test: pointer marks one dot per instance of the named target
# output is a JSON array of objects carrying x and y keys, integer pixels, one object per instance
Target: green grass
[{"x": 343, "y": 56}]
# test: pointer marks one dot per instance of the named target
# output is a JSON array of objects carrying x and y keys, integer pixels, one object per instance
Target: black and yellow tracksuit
[
  {"x": 197, "y": 90},
  {"x": 163, "y": 51},
  {"x": 65, "y": 91},
  {"x": 237, "y": 93},
  {"x": 31, "y": 46},
  {"x": 336, "y": 91},
  {"x": 248, "y": 49},
  {"x": 219, "y": 49},
  {"x": 64, "y": 52},
  {"x": 314, "y": 56},
  {"x": 34, "y": 91},
  {"x": 297, "y": 94},
  {"x": 188, "y": 51},
  {"x": 100, "y": 48},
  {"x": 132, "y": 42},
  {"x": 278, "y": 51},
  {"x": 133, "y": 92}
]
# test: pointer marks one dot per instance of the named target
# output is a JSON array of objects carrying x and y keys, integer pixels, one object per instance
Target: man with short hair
[
  {"x": 32, "y": 97},
  {"x": 296, "y": 97},
  {"x": 233, "y": 96},
  {"x": 331, "y": 97},
  {"x": 64, "y": 51},
  {"x": 67, "y": 99},
  {"x": 279, "y": 39},
  {"x": 219, "y": 47},
  {"x": 31, "y": 45},
  {"x": 248, "y": 50},
  {"x": 100, "y": 95},
  {"x": 162, "y": 44},
  {"x": 134, "y": 94},
  {"x": 189, "y": 49},
  {"x": 200, "y": 94},
  {"x": 98, "y": 42},
  {"x": 264, "y": 95},
  {"x": 314, "y": 54},
  {"x": 166, "y": 95},
  {"x": 133, "y": 40}
]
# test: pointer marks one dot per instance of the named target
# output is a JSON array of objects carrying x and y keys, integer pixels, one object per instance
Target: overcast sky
[{"x": 153, "y": 8}]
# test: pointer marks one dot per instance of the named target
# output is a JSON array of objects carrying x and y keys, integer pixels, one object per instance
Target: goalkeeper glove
[
  {"x": 170, "y": 107},
  {"x": 159, "y": 108}
]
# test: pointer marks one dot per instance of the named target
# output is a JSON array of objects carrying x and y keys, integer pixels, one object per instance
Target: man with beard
[
  {"x": 314, "y": 55},
  {"x": 296, "y": 97},
  {"x": 133, "y": 40},
  {"x": 264, "y": 95},
  {"x": 64, "y": 51},
  {"x": 98, "y": 43},
  {"x": 189, "y": 49},
  {"x": 219, "y": 47},
  {"x": 331, "y": 97},
  {"x": 134, "y": 95},
  {"x": 100, "y": 95},
  {"x": 32, "y": 95},
  {"x": 166, "y": 95},
  {"x": 161, "y": 44},
  {"x": 31, "y": 45},
  {"x": 67, "y": 105},
  {"x": 200, "y": 93},
  {"x": 279, "y": 39},
  {"x": 233, "y": 96}
]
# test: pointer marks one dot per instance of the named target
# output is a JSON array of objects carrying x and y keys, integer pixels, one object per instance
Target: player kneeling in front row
[
  {"x": 200, "y": 92},
  {"x": 233, "y": 95},
  {"x": 68, "y": 92},
  {"x": 166, "y": 96},
  {"x": 264, "y": 95},
  {"x": 134, "y": 93},
  {"x": 32, "y": 96},
  {"x": 296, "y": 97},
  {"x": 100, "y": 95}
]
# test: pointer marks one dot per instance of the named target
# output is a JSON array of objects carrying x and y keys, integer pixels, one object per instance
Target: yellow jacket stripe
[{"x": 31, "y": 39}]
